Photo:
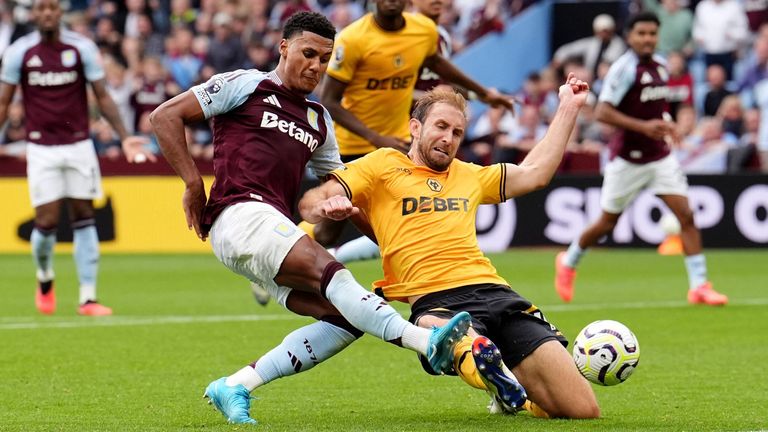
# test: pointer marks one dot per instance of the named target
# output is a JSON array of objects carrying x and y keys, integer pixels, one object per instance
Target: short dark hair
[
  {"x": 642, "y": 17},
  {"x": 309, "y": 21}
]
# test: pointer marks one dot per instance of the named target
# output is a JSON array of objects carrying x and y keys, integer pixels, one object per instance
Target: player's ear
[
  {"x": 283, "y": 48},
  {"x": 415, "y": 127}
]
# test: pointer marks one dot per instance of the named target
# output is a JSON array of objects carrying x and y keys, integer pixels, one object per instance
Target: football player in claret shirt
[
  {"x": 634, "y": 100},
  {"x": 265, "y": 131},
  {"x": 53, "y": 67}
]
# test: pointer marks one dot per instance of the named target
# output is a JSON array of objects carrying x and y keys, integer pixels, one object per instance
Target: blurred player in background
[
  {"x": 634, "y": 99},
  {"x": 369, "y": 88},
  {"x": 52, "y": 66},
  {"x": 422, "y": 208},
  {"x": 265, "y": 132}
]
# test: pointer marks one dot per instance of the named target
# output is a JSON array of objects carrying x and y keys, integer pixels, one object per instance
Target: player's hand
[
  {"x": 194, "y": 204},
  {"x": 389, "y": 141},
  {"x": 133, "y": 147},
  {"x": 337, "y": 208},
  {"x": 496, "y": 99},
  {"x": 660, "y": 129},
  {"x": 574, "y": 91}
]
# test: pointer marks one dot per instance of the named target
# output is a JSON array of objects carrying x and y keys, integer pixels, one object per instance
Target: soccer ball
[{"x": 606, "y": 352}]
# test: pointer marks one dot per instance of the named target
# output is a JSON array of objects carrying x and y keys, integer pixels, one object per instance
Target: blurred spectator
[
  {"x": 341, "y": 13},
  {"x": 705, "y": 152},
  {"x": 686, "y": 121},
  {"x": 105, "y": 141},
  {"x": 530, "y": 129},
  {"x": 107, "y": 37},
  {"x": 731, "y": 115},
  {"x": 225, "y": 52},
  {"x": 720, "y": 29},
  {"x": 183, "y": 66},
  {"x": 151, "y": 41},
  {"x": 676, "y": 26},
  {"x": 743, "y": 156},
  {"x": 136, "y": 9},
  {"x": 144, "y": 128},
  {"x": 604, "y": 45},
  {"x": 151, "y": 88},
  {"x": 119, "y": 87},
  {"x": 259, "y": 57},
  {"x": 756, "y": 70},
  {"x": 488, "y": 19},
  {"x": 757, "y": 13},
  {"x": 717, "y": 90},
  {"x": 283, "y": 9},
  {"x": 680, "y": 83},
  {"x": 182, "y": 14}
]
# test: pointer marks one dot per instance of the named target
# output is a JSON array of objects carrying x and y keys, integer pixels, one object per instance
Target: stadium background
[{"x": 154, "y": 49}]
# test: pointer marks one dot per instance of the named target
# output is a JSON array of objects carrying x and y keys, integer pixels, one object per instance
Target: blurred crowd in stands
[{"x": 717, "y": 52}]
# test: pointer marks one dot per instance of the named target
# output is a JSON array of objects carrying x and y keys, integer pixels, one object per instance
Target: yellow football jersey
[
  {"x": 424, "y": 220},
  {"x": 380, "y": 69}
]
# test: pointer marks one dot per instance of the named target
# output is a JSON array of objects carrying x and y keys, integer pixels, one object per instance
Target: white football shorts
[
  {"x": 623, "y": 180},
  {"x": 252, "y": 239},
  {"x": 63, "y": 171}
]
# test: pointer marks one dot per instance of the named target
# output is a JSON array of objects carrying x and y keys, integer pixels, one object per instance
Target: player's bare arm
[
  {"x": 168, "y": 122},
  {"x": 327, "y": 201},
  {"x": 654, "y": 128},
  {"x": 332, "y": 92},
  {"x": 449, "y": 72},
  {"x": 133, "y": 146},
  {"x": 537, "y": 169},
  {"x": 6, "y": 96}
]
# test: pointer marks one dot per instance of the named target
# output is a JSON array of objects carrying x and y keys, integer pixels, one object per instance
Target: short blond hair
[{"x": 435, "y": 96}]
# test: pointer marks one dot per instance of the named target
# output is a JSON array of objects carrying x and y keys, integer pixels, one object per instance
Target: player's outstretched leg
[
  {"x": 234, "y": 402},
  {"x": 500, "y": 381},
  {"x": 443, "y": 339}
]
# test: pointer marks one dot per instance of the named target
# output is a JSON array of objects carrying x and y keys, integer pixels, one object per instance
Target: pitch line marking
[{"x": 30, "y": 323}]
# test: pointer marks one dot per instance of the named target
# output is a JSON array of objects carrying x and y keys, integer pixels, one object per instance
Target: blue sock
[
  {"x": 573, "y": 254},
  {"x": 368, "y": 312},
  {"x": 301, "y": 350},
  {"x": 86, "y": 258},
  {"x": 361, "y": 248},
  {"x": 696, "y": 265},
  {"x": 42, "y": 251}
]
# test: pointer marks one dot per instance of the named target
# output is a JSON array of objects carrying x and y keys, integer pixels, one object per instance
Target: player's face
[
  {"x": 390, "y": 8},
  {"x": 643, "y": 37},
  {"x": 46, "y": 14},
  {"x": 439, "y": 136},
  {"x": 430, "y": 8},
  {"x": 306, "y": 57}
]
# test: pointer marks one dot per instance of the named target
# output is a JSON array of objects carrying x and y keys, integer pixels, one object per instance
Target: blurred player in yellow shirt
[
  {"x": 422, "y": 206},
  {"x": 369, "y": 88}
]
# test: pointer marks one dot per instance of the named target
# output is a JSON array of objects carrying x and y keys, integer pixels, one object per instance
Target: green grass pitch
[{"x": 182, "y": 321}]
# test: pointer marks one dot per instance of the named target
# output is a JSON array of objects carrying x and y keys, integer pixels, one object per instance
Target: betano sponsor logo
[
  {"x": 47, "y": 79},
  {"x": 429, "y": 204},
  {"x": 654, "y": 93},
  {"x": 271, "y": 121}
]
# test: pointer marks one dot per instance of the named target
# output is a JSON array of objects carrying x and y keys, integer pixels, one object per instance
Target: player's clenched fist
[{"x": 337, "y": 208}]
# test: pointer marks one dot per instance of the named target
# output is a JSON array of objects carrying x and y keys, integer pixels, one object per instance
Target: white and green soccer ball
[{"x": 606, "y": 352}]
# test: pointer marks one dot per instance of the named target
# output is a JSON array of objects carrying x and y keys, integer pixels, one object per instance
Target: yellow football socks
[{"x": 464, "y": 363}]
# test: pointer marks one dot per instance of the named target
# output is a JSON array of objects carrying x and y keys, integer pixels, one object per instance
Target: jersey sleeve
[
  {"x": 11, "y": 70},
  {"x": 326, "y": 157},
  {"x": 492, "y": 180},
  {"x": 92, "y": 64},
  {"x": 225, "y": 92},
  {"x": 359, "y": 176},
  {"x": 617, "y": 82},
  {"x": 346, "y": 55}
]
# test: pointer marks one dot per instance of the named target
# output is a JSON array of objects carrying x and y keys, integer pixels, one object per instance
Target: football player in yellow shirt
[{"x": 421, "y": 207}]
